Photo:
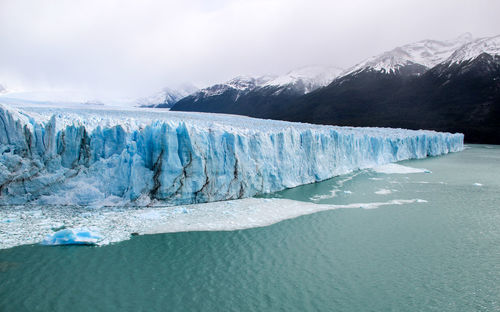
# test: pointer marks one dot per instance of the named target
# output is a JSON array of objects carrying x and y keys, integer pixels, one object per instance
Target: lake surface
[{"x": 441, "y": 253}]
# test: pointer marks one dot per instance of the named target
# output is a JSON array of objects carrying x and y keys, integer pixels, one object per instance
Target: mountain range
[
  {"x": 258, "y": 96},
  {"x": 451, "y": 85}
]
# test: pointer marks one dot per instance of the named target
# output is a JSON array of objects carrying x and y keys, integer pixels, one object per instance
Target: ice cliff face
[{"x": 107, "y": 157}]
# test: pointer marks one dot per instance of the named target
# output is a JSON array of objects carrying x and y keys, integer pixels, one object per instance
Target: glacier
[{"x": 114, "y": 157}]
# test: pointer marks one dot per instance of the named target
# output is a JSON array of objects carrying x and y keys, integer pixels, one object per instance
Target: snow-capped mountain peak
[
  {"x": 247, "y": 82},
  {"x": 471, "y": 50},
  {"x": 427, "y": 53},
  {"x": 241, "y": 84},
  {"x": 299, "y": 81},
  {"x": 310, "y": 77}
]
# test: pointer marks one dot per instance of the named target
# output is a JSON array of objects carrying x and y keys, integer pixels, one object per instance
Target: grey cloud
[{"x": 135, "y": 47}]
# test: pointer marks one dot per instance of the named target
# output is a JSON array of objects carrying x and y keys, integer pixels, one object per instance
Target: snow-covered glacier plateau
[{"x": 108, "y": 157}]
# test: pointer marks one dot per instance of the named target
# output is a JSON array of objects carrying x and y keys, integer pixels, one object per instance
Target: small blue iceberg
[{"x": 71, "y": 237}]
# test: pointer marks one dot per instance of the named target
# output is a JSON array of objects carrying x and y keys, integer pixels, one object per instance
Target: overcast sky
[{"x": 133, "y": 48}]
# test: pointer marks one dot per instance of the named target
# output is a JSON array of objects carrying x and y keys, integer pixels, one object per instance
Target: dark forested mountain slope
[
  {"x": 457, "y": 97},
  {"x": 258, "y": 96}
]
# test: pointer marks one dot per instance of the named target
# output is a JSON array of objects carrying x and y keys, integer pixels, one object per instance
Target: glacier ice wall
[{"x": 85, "y": 157}]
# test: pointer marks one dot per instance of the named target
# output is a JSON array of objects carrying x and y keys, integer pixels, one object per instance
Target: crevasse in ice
[{"x": 83, "y": 157}]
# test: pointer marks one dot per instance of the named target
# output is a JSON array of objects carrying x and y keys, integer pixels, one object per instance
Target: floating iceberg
[
  {"x": 398, "y": 169},
  {"x": 383, "y": 192},
  {"x": 63, "y": 156},
  {"x": 70, "y": 237}
]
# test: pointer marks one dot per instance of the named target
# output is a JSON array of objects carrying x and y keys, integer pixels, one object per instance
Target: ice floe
[
  {"x": 398, "y": 169},
  {"x": 383, "y": 192}
]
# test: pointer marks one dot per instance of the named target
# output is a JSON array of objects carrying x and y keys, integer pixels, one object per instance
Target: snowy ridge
[
  {"x": 475, "y": 48},
  {"x": 308, "y": 78},
  {"x": 302, "y": 80},
  {"x": 112, "y": 157},
  {"x": 427, "y": 53},
  {"x": 241, "y": 84},
  {"x": 246, "y": 83}
]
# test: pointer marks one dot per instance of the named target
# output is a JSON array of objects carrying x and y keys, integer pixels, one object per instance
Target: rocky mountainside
[
  {"x": 258, "y": 96},
  {"x": 413, "y": 58},
  {"x": 442, "y": 85},
  {"x": 460, "y": 94}
]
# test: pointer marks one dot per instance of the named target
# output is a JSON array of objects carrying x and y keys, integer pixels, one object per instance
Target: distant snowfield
[
  {"x": 63, "y": 98},
  {"x": 21, "y": 225}
]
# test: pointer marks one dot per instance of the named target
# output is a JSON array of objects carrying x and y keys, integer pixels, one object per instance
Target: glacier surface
[{"x": 110, "y": 157}]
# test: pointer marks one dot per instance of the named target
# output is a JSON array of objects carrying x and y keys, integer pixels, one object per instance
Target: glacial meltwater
[{"x": 422, "y": 236}]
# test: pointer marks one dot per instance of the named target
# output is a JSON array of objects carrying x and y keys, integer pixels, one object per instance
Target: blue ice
[
  {"x": 55, "y": 156},
  {"x": 72, "y": 237}
]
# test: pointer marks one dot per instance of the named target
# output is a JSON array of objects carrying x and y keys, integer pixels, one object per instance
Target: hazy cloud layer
[{"x": 135, "y": 47}]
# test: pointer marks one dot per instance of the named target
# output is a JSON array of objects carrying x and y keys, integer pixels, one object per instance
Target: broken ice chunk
[{"x": 72, "y": 237}]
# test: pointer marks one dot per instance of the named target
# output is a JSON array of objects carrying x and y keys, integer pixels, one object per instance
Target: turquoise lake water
[{"x": 439, "y": 255}]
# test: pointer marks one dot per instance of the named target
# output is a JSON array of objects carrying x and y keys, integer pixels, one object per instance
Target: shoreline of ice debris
[{"x": 20, "y": 226}]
